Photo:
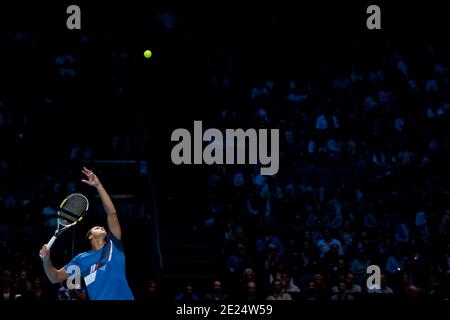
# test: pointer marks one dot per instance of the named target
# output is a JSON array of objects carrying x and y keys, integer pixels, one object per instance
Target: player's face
[{"x": 98, "y": 232}]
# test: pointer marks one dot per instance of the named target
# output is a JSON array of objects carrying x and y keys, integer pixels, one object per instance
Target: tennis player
[{"x": 103, "y": 267}]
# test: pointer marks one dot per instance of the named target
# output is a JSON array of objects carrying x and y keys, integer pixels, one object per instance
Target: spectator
[
  {"x": 188, "y": 295},
  {"x": 342, "y": 293},
  {"x": 287, "y": 284},
  {"x": 396, "y": 262},
  {"x": 8, "y": 293},
  {"x": 311, "y": 294},
  {"x": 151, "y": 293},
  {"x": 216, "y": 294},
  {"x": 352, "y": 288},
  {"x": 270, "y": 242},
  {"x": 277, "y": 293},
  {"x": 359, "y": 266},
  {"x": 339, "y": 272},
  {"x": 327, "y": 242},
  {"x": 251, "y": 294}
]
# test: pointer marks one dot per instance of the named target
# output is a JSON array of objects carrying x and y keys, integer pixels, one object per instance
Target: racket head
[{"x": 72, "y": 209}]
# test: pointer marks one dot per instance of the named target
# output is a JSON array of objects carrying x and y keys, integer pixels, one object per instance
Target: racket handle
[{"x": 50, "y": 243}]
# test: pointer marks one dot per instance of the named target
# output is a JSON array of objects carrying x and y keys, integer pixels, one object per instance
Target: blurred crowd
[{"x": 362, "y": 181}]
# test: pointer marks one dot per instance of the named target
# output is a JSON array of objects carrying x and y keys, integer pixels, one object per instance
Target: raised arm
[{"x": 113, "y": 220}]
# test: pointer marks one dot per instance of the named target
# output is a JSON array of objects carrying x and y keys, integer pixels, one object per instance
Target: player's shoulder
[
  {"x": 117, "y": 242},
  {"x": 79, "y": 259},
  {"x": 83, "y": 255}
]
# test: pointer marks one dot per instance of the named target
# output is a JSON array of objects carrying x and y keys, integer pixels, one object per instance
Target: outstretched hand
[{"x": 92, "y": 179}]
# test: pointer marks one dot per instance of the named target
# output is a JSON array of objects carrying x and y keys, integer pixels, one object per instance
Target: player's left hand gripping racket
[{"x": 70, "y": 212}]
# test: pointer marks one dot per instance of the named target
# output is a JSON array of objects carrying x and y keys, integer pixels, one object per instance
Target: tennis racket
[{"x": 70, "y": 212}]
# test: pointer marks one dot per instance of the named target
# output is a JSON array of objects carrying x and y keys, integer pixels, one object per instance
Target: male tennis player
[{"x": 103, "y": 267}]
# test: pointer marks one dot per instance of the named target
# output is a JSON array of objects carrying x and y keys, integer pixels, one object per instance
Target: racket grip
[{"x": 50, "y": 243}]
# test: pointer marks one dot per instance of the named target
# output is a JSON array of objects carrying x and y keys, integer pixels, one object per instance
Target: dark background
[{"x": 172, "y": 88}]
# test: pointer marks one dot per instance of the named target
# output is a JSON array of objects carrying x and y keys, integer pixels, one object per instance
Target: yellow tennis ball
[{"x": 147, "y": 54}]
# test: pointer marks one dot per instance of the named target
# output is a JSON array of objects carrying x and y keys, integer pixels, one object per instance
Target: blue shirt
[{"x": 103, "y": 271}]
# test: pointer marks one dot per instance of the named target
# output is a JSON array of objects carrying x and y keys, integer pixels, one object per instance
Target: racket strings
[
  {"x": 72, "y": 209},
  {"x": 64, "y": 222},
  {"x": 75, "y": 206}
]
